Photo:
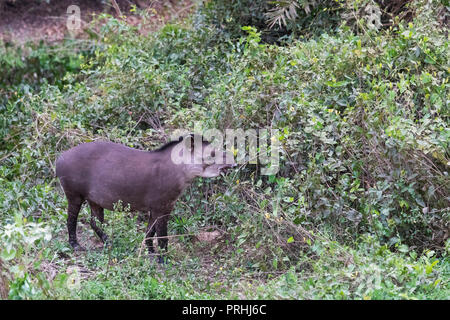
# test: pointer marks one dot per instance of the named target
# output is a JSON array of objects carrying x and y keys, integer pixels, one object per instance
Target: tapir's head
[{"x": 201, "y": 158}]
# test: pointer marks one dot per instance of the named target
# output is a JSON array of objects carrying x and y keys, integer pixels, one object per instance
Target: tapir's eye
[{"x": 213, "y": 153}]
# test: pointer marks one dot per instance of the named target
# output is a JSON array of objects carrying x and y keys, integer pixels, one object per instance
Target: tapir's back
[
  {"x": 80, "y": 160},
  {"x": 104, "y": 172}
]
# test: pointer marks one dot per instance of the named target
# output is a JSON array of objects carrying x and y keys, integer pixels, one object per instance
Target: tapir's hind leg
[
  {"x": 151, "y": 230},
  {"x": 97, "y": 214},
  {"x": 73, "y": 210}
]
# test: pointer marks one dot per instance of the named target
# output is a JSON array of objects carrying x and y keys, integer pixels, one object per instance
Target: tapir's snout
[
  {"x": 229, "y": 166},
  {"x": 230, "y": 163},
  {"x": 226, "y": 167}
]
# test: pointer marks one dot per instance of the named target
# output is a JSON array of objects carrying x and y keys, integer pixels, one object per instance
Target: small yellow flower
[{"x": 235, "y": 151}]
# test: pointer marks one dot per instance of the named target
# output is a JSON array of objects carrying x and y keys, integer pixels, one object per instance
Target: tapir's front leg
[{"x": 161, "y": 232}]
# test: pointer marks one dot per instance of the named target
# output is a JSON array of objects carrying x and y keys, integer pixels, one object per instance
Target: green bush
[
  {"x": 20, "y": 260},
  {"x": 277, "y": 20},
  {"x": 369, "y": 272},
  {"x": 280, "y": 21}
]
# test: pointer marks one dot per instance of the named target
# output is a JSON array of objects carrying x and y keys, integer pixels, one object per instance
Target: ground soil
[{"x": 35, "y": 20}]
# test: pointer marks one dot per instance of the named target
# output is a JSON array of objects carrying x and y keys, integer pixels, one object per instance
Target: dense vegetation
[{"x": 358, "y": 210}]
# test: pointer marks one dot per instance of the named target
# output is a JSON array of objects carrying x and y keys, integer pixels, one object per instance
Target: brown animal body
[{"x": 104, "y": 173}]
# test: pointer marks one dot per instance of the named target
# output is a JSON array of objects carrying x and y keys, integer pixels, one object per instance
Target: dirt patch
[
  {"x": 24, "y": 20},
  {"x": 28, "y": 20}
]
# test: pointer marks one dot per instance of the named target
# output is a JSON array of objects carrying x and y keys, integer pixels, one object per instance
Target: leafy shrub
[
  {"x": 20, "y": 260},
  {"x": 276, "y": 19},
  {"x": 282, "y": 20},
  {"x": 369, "y": 272}
]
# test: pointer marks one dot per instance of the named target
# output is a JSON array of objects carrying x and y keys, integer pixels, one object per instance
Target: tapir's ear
[{"x": 188, "y": 136}]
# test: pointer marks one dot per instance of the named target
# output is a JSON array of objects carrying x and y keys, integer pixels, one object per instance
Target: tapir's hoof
[
  {"x": 76, "y": 247},
  {"x": 153, "y": 258},
  {"x": 156, "y": 258},
  {"x": 163, "y": 260},
  {"x": 107, "y": 244}
]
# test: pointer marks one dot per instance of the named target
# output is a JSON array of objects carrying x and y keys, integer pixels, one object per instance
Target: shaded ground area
[{"x": 22, "y": 21}]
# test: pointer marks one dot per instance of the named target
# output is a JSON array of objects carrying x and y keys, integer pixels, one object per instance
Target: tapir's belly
[{"x": 127, "y": 184}]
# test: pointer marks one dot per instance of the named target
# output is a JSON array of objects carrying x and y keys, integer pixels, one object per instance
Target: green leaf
[
  {"x": 290, "y": 240},
  {"x": 8, "y": 255},
  {"x": 299, "y": 220},
  {"x": 429, "y": 269},
  {"x": 336, "y": 84}
]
